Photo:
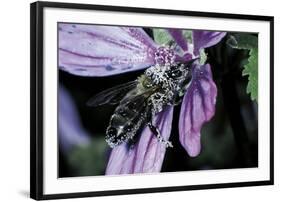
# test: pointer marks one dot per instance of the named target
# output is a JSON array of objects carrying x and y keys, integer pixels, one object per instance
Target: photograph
[{"x": 137, "y": 100}]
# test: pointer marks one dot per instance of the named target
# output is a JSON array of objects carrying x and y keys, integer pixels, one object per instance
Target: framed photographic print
[{"x": 134, "y": 100}]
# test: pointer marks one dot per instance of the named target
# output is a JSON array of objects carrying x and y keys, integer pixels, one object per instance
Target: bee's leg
[
  {"x": 157, "y": 133},
  {"x": 178, "y": 99},
  {"x": 177, "y": 102},
  {"x": 154, "y": 129}
]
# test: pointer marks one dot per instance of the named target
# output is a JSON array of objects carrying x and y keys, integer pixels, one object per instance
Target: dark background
[{"x": 229, "y": 140}]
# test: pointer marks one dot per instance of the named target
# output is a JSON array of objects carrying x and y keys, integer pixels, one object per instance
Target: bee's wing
[
  {"x": 135, "y": 96},
  {"x": 136, "y": 101},
  {"x": 112, "y": 95}
]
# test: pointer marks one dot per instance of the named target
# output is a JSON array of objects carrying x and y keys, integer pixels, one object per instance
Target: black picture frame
[{"x": 37, "y": 101}]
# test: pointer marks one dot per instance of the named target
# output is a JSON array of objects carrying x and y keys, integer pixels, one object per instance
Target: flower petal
[
  {"x": 198, "y": 107},
  {"x": 147, "y": 155},
  {"x": 205, "y": 39},
  {"x": 94, "y": 50},
  {"x": 71, "y": 132},
  {"x": 179, "y": 38}
]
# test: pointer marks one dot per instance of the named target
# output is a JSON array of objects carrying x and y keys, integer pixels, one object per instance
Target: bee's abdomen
[{"x": 124, "y": 124}]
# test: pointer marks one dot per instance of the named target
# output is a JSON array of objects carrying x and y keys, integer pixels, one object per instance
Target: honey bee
[{"x": 140, "y": 100}]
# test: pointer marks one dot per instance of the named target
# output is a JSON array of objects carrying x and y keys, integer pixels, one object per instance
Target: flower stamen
[{"x": 164, "y": 55}]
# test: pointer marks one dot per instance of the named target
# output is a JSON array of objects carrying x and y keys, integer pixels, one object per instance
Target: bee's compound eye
[
  {"x": 111, "y": 131},
  {"x": 176, "y": 73}
]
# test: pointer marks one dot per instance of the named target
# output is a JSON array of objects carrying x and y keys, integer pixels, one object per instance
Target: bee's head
[
  {"x": 176, "y": 71},
  {"x": 180, "y": 70}
]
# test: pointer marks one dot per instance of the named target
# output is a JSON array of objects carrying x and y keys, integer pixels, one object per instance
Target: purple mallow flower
[
  {"x": 91, "y": 50},
  {"x": 70, "y": 129}
]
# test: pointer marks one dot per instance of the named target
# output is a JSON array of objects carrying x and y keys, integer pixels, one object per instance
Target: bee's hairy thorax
[{"x": 168, "y": 87}]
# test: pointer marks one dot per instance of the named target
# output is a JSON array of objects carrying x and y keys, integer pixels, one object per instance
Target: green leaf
[
  {"x": 188, "y": 35},
  {"x": 203, "y": 56},
  {"x": 161, "y": 36},
  {"x": 248, "y": 42},
  {"x": 251, "y": 69}
]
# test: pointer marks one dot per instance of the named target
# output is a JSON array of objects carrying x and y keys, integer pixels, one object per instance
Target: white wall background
[{"x": 14, "y": 101}]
